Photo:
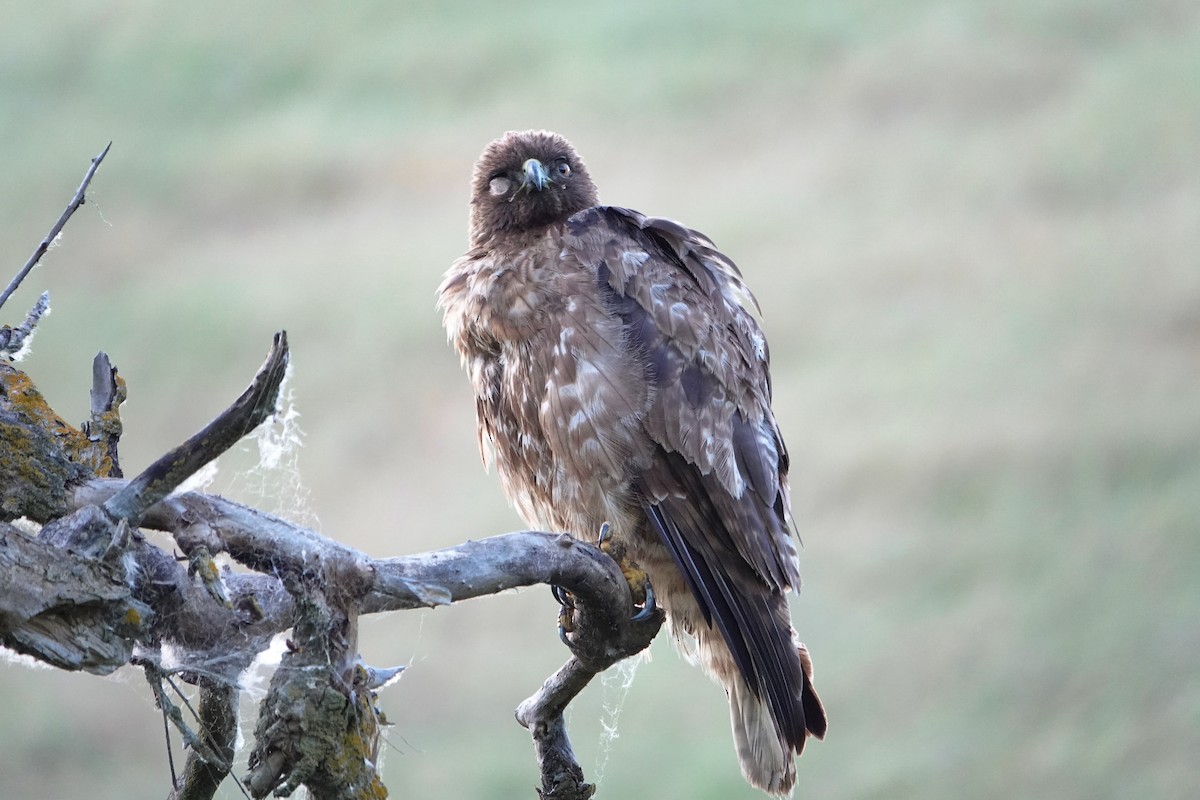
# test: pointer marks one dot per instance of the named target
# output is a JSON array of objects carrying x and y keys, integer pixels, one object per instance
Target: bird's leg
[{"x": 639, "y": 582}]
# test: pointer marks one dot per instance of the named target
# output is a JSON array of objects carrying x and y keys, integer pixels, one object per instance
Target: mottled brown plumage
[{"x": 620, "y": 376}]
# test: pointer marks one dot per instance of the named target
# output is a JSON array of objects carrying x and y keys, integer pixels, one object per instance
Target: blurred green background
[{"x": 975, "y": 232}]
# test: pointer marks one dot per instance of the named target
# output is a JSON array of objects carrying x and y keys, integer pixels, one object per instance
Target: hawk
[{"x": 620, "y": 377}]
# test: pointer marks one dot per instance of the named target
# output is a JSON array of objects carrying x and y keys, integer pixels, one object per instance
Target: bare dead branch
[
  {"x": 55, "y": 229},
  {"x": 596, "y": 649},
  {"x": 107, "y": 394},
  {"x": 476, "y": 568},
  {"x": 12, "y": 340},
  {"x": 162, "y": 477},
  {"x": 68, "y": 610},
  {"x": 104, "y": 531},
  {"x": 542, "y": 715}
]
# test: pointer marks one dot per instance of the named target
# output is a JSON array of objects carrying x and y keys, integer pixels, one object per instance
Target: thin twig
[
  {"x": 154, "y": 677},
  {"x": 191, "y": 739},
  {"x": 217, "y": 719},
  {"x": 41, "y": 249}
]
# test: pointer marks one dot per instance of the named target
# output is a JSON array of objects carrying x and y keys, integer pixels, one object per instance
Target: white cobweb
[
  {"x": 272, "y": 480},
  {"x": 263, "y": 470},
  {"x": 615, "y": 684},
  {"x": 275, "y": 478}
]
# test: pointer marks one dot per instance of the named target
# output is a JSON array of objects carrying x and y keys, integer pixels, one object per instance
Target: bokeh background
[{"x": 975, "y": 232}]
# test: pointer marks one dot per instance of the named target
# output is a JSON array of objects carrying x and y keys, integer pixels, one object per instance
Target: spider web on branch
[
  {"x": 276, "y": 476},
  {"x": 272, "y": 481},
  {"x": 616, "y": 683},
  {"x": 263, "y": 469}
]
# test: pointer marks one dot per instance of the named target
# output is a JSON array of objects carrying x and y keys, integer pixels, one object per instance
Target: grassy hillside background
[{"x": 975, "y": 232}]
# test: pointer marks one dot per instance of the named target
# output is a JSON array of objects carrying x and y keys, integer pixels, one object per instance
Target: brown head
[{"x": 525, "y": 180}]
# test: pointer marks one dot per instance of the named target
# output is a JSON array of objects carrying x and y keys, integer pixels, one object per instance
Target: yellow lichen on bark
[
  {"x": 26, "y": 400},
  {"x": 40, "y": 454}
]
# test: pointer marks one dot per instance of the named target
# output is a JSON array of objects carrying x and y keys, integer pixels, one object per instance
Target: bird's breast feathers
[{"x": 560, "y": 396}]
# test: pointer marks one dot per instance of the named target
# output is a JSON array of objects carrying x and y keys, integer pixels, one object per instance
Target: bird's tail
[
  {"x": 743, "y": 636},
  {"x": 764, "y": 750}
]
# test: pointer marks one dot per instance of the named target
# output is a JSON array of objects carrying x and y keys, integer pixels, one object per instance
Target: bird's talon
[
  {"x": 639, "y": 584},
  {"x": 566, "y": 612},
  {"x": 563, "y": 597},
  {"x": 649, "y": 607}
]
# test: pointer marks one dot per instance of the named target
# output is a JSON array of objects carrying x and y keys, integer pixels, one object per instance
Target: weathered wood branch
[
  {"x": 70, "y": 611},
  {"x": 250, "y": 410},
  {"x": 108, "y": 392}
]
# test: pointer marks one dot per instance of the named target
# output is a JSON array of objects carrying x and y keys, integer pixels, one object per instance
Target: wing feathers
[
  {"x": 714, "y": 489},
  {"x": 695, "y": 408}
]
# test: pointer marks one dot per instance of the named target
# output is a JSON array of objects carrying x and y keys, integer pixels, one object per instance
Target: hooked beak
[{"x": 535, "y": 175}]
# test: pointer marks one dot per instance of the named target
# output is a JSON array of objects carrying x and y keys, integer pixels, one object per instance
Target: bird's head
[{"x": 525, "y": 180}]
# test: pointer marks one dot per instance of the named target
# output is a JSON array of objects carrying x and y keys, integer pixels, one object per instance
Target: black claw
[
  {"x": 562, "y": 596},
  {"x": 649, "y": 607},
  {"x": 562, "y": 634}
]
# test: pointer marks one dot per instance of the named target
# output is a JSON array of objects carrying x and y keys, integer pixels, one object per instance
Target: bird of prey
[{"x": 620, "y": 377}]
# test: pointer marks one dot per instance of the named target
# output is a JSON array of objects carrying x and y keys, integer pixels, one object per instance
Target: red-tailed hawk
[{"x": 620, "y": 377}]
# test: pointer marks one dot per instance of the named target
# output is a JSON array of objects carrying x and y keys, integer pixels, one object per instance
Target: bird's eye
[
  {"x": 564, "y": 169},
  {"x": 499, "y": 186}
]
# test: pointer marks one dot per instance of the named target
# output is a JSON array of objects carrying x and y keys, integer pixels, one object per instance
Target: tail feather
[
  {"x": 764, "y": 750},
  {"x": 814, "y": 712},
  {"x": 765, "y": 756}
]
